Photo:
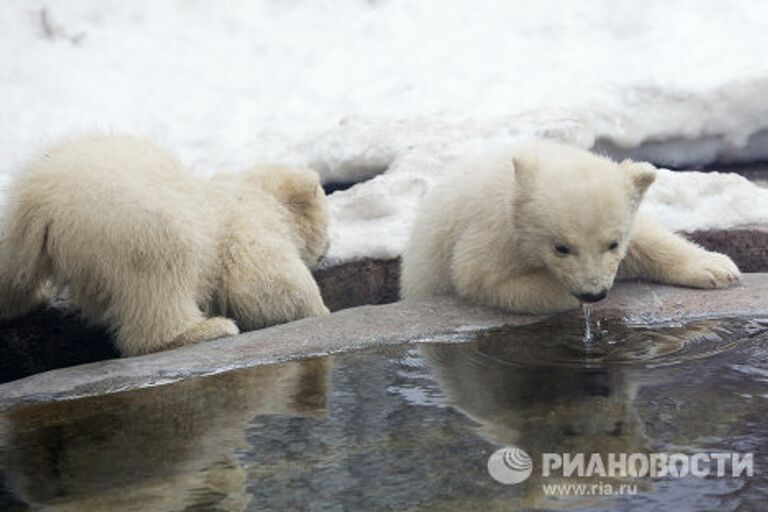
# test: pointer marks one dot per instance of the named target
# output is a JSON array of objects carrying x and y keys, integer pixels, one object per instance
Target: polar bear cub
[
  {"x": 543, "y": 228},
  {"x": 159, "y": 256}
]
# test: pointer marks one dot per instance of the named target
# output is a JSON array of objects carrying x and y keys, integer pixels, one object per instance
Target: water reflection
[
  {"x": 165, "y": 448},
  {"x": 540, "y": 387},
  {"x": 409, "y": 427},
  {"x": 552, "y": 409}
]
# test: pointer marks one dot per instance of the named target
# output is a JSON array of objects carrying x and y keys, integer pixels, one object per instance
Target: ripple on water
[{"x": 560, "y": 342}]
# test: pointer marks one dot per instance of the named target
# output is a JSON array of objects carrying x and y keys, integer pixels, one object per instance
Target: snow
[
  {"x": 690, "y": 201},
  {"x": 395, "y": 91}
]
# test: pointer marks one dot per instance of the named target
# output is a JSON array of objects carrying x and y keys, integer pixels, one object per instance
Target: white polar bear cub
[
  {"x": 150, "y": 251},
  {"x": 545, "y": 227}
]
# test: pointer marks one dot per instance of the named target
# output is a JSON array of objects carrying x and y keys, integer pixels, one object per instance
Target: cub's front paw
[{"x": 711, "y": 270}]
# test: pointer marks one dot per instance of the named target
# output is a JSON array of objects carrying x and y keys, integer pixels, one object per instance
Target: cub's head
[
  {"x": 299, "y": 190},
  {"x": 574, "y": 211}
]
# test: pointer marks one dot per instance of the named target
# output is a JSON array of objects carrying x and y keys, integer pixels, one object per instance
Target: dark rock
[
  {"x": 359, "y": 282},
  {"x": 747, "y": 245},
  {"x": 54, "y": 337}
]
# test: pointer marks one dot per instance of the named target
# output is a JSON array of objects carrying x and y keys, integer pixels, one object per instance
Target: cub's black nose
[{"x": 593, "y": 297}]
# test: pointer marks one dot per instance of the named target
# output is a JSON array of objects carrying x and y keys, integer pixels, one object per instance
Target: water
[
  {"x": 409, "y": 427},
  {"x": 588, "y": 336}
]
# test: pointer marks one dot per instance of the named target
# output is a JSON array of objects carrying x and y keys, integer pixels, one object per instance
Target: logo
[{"x": 510, "y": 465}]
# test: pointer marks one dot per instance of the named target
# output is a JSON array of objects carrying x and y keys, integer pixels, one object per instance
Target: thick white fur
[
  {"x": 150, "y": 251},
  {"x": 488, "y": 233}
]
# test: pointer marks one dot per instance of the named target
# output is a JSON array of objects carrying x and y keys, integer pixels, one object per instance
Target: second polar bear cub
[
  {"x": 154, "y": 253},
  {"x": 545, "y": 227}
]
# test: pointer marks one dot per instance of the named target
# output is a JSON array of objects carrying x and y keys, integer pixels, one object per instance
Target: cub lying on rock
[
  {"x": 152, "y": 252},
  {"x": 543, "y": 228}
]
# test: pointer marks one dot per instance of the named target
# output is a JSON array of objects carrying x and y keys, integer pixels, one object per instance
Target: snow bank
[
  {"x": 394, "y": 91},
  {"x": 690, "y": 201}
]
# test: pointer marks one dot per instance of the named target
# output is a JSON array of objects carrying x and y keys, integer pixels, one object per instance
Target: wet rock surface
[{"x": 439, "y": 319}]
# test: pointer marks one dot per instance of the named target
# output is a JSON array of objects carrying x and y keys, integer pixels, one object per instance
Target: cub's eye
[
  {"x": 613, "y": 246},
  {"x": 562, "y": 249}
]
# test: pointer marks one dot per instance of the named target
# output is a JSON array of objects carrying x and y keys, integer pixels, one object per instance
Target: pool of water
[{"x": 412, "y": 427}]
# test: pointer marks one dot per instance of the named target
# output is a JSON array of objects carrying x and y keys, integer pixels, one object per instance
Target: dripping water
[{"x": 589, "y": 336}]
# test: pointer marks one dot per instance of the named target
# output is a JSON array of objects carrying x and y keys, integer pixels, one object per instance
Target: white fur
[
  {"x": 489, "y": 231},
  {"x": 150, "y": 251}
]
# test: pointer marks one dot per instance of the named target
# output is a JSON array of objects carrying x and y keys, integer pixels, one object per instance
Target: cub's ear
[
  {"x": 295, "y": 187},
  {"x": 299, "y": 190},
  {"x": 525, "y": 167},
  {"x": 641, "y": 175}
]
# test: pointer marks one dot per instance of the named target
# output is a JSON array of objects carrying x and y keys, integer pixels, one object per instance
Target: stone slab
[{"x": 367, "y": 326}]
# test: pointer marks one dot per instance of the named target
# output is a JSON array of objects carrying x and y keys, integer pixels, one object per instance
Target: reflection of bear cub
[
  {"x": 150, "y": 251},
  {"x": 163, "y": 448},
  {"x": 544, "y": 227}
]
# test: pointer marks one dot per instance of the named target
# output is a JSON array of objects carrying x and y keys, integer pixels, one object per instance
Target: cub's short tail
[{"x": 25, "y": 266}]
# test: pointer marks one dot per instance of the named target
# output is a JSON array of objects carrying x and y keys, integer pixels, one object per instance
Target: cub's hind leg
[
  {"x": 153, "y": 318},
  {"x": 20, "y": 295},
  {"x": 25, "y": 265},
  {"x": 205, "y": 330}
]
